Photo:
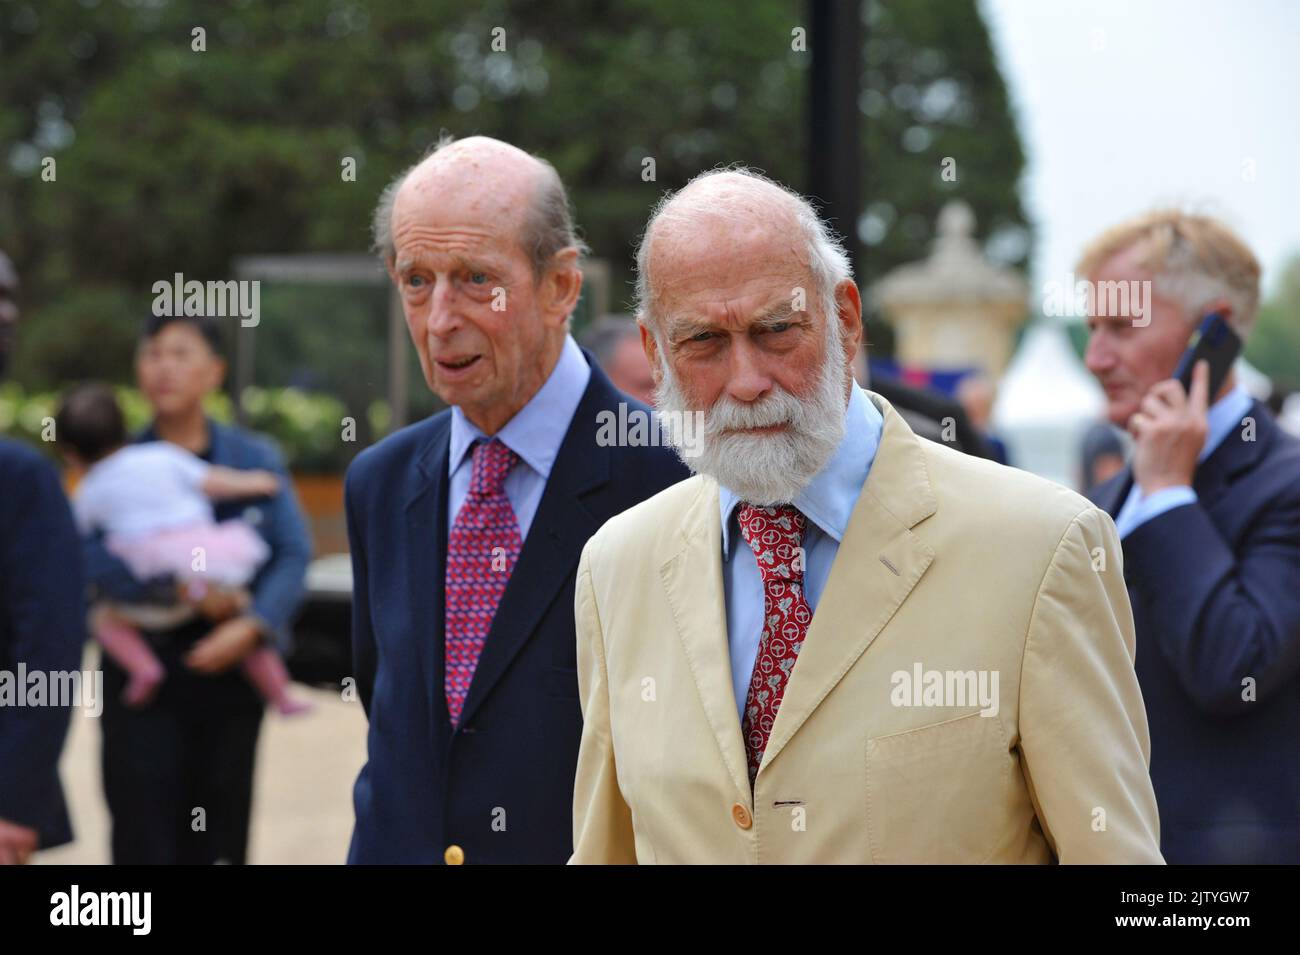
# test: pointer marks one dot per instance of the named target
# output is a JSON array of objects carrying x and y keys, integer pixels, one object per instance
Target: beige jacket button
[
  {"x": 454, "y": 855},
  {"x": 741, "y": 816}
]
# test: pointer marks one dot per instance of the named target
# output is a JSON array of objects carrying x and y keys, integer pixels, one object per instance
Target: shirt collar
[
  {"x": 1223, "y": 416},
  {"x": 538, "y": 428},
  {"x": 831, "y": 495}
]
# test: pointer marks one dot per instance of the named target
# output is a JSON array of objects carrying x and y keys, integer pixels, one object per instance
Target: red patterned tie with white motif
[
  {"x": 482, "y": 548},
  {"x": 775, "y": 534}
]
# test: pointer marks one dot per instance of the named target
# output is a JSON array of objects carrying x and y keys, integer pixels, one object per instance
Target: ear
[
  {"x": 1223, "y": 307},
  {"x": 218, "y": 374},
  {"x": 651, "y": 348},
  {"x": 561, "y": 286},
  {"x": 848, "y": 310}
]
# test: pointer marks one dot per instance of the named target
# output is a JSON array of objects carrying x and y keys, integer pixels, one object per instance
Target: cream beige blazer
[{"x": 954, "y": 574}]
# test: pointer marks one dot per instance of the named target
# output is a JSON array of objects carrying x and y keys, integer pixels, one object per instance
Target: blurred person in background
[
  {"x": 191, "y": 747},
  {"x": 42, "y": 627},
  {"x": 976, "y": 393},
  {"x": 1209, "y": 515},
  {"x": 153, "y": 504},
  {"x": 1101, "y": 455},
  {"x": 615, "y": 341},
  {"x": 928, "y": 413},
  {"x": 465, "y": 529}
]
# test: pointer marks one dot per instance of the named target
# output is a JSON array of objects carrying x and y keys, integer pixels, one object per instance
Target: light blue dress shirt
[
  {"x": 534, "y": 433},
  {"x": 827, "y": 502},
  {"x": 1222, "y": 418}
]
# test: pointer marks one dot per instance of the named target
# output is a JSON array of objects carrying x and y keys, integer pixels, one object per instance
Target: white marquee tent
[{"x": 1046, "y": 401}]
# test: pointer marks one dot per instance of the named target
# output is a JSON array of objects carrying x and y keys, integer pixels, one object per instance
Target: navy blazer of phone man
[{"x": 1213, "y": 575}]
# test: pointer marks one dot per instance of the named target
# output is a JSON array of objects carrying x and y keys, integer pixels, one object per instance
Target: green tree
[
  {"x": 174, "y": 160},
  {"x": 937, "y": 125},
  {"x": 1274, "y": 345}
]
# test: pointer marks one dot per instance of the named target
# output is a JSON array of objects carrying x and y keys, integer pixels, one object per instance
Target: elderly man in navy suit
[
  {"x": 466, "y": 528},
  {"x": 42, "y": 628},
  {"x": 1209, "y": 516}
]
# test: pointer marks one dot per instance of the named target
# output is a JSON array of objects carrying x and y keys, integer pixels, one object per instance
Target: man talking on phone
[{"x": 1208, "y": 512}]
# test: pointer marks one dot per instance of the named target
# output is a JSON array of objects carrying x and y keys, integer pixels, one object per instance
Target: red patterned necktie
[
  {"x": 482, "y": 548},
  {"x": 775, "y": 534}
]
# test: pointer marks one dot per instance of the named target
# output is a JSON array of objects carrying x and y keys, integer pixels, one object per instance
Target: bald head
[
  {"x": 480, "y": 176},
  {"x": 724, "y": 216},
  {"x": 736, "y": 204},
  {"x": 478, "y": 241},
  {"x": 488, "y": 179},
  {"x": 479, "y": 154},
  {"x": 749, "y": 317}
]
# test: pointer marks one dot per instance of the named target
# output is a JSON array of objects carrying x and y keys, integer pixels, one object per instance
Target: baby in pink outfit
[{"x": 153, "y": 502}]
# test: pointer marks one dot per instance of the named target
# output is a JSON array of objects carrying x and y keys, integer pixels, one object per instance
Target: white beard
[{"x": 763, "y": 469}]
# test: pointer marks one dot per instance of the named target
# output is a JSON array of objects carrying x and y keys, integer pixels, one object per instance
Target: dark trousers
[{"x": 178, "y": 773}]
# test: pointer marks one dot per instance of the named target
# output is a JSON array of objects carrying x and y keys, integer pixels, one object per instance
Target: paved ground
[{"x": 302, "y": 804}]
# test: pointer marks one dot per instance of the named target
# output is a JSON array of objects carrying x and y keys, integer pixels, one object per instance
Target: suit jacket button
[
  {"x": 740, "y": 815},
  {"x": 454, "y": 855}
]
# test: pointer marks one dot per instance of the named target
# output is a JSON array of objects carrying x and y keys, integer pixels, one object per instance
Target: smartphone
[{"x": 1216, "y": 343}]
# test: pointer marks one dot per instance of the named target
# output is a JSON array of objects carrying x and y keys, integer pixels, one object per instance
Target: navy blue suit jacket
[
  {"x": 499, "y": 786},
  {"x": 1215, "y": 588},
  {"x": 43, "y": 627}
]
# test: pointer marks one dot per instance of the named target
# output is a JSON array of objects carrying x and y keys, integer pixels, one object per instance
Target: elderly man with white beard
[{"x": 837, "y": 642}]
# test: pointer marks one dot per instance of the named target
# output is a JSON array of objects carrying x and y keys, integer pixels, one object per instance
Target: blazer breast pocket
[{"x": 941, "y": 793}]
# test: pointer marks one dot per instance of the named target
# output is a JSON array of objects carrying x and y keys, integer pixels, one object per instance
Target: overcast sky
[{"x": 1125, "y": 104}]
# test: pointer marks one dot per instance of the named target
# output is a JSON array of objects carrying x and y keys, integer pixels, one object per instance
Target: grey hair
[
  {"x": 1194, "y": 259},
  {"x": 548, "y": 226},
  {"x": 827, "y": 259}
]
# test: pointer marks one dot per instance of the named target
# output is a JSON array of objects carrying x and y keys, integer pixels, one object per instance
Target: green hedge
[{"x": 308, "y": 426}]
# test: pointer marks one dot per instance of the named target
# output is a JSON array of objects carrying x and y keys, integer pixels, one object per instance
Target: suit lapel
[
  {"x": 560, "y": 529},
  {"x": 1236, "y": 454},
  {"x": 692, "y": 581},
  {"x": 426, "y": 541},
  {"x": 877, "y": 565},
  {"x": 1213, "y": 475}
]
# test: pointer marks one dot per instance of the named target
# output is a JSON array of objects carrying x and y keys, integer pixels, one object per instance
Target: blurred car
[{"x": 322, "y": 635}]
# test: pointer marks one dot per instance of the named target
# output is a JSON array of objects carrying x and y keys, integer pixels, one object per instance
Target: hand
[
  {"x": 225, "y": 646},
  {"x": 1170, "y": 429},
  {"x": 264, "y": 483},
  {"x": 215, "y": 603},
  {"x": 17, "y": 843}
]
